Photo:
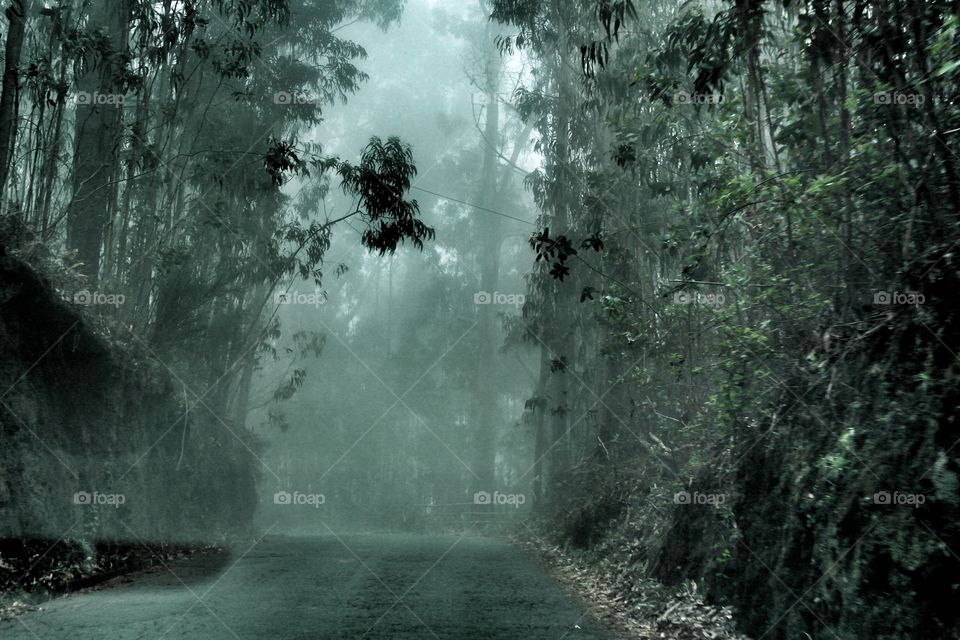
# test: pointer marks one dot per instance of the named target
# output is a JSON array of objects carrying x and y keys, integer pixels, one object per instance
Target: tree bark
[
  {"x": 485, "y": 396},
  {"x": 17, "y": 18},
  {"x": 99, "y": 120}
]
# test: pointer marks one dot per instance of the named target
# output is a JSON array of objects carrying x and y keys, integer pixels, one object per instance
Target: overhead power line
[{"x": 475, "y": 206}]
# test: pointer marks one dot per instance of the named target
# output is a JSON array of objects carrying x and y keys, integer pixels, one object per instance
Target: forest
[{"x": 480, "y": 319}]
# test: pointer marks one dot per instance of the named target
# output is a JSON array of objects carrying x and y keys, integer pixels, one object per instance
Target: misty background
[{"x": 381, "y": 424}]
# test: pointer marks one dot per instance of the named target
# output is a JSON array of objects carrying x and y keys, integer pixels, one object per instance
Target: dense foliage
[
  {"x": 153, "y": 170},
  {"x": 146, "y": 153},
  {"x": 710, "y": 339},
  {"x": 761, "y": 381}
]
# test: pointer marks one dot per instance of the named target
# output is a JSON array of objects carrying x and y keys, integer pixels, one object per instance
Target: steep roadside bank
[{"x": 103, "y": 467}]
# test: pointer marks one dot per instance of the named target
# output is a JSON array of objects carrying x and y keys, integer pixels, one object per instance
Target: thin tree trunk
[{"x": 485, "y": 397}]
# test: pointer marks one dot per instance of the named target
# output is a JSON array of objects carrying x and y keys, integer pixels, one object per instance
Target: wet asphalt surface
[{"x": 384, "y": 586}]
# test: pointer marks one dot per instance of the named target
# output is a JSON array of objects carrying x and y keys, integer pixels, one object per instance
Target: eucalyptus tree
[
  {"x": 796, "y": 167},
  {"x": 589, "y": 231},
  {"x": 161, "y": 158},
  {"x": 13, "y": 49}
]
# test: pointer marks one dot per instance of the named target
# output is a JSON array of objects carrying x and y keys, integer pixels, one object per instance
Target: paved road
[{"x": 317, "y": 588}]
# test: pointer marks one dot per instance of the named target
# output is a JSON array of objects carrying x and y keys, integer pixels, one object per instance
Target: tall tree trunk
[
  {"x": 556, "y": 329},
  {"x": 485, "y": 396},
  {"x": 17, "y": 17},
  {"x": 97, "y": 141}
]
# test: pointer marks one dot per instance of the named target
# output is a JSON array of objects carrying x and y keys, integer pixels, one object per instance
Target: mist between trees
[{"x": 672, "y": 284}]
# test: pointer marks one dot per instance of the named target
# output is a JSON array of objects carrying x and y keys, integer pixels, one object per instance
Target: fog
[
  {"x": 481, "y": 319},
  {"x": 379, "y": 434}
]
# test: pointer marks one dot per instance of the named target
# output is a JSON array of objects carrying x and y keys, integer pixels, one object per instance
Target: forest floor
[
  {"x": 294, "y": 588},
  {"x": 618, "y": 596}
]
